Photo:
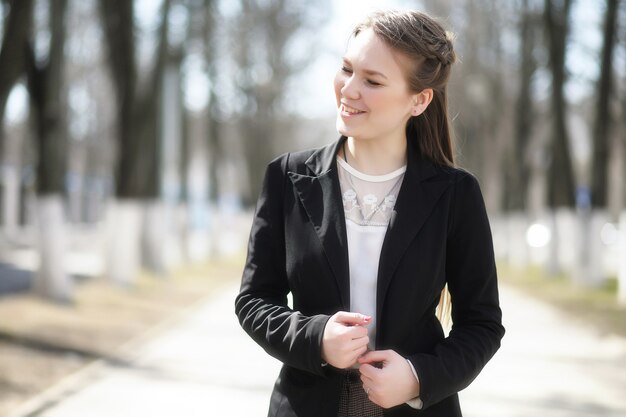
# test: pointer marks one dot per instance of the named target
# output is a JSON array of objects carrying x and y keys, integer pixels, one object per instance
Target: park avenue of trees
[{"x": 147, "y": 128}]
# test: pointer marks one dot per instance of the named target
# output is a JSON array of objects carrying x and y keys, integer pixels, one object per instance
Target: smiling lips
[{"x": 349, "y": 111}]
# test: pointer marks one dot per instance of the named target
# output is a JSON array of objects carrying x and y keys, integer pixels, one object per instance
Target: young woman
[{"x": 367, "y": 233}]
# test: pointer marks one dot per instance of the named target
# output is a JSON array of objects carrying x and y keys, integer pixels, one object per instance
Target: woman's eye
[
  {"x": 374, "y": 83},
  {"x": 346, "y": 70}
]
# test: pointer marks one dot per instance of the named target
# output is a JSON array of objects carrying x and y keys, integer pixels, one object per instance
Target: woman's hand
[
  {"x": 391, "y": 385},
  {"x": 345, "y": 339}
]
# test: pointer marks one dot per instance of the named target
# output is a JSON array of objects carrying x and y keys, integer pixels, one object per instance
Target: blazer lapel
[
  {"x": 416, "y": 200},
  {"x": 320, "y": 194}
]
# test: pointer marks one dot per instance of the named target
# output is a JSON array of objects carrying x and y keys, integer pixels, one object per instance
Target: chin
[{"x": 342, "y": 129}]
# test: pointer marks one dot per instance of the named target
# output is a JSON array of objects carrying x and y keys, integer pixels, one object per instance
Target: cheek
[{"x": 394, "y": 103}]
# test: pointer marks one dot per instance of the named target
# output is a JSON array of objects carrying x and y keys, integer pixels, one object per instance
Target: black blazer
[{"x": 439, "y": 233}]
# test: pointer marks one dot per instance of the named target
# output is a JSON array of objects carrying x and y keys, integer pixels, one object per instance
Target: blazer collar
[{"x": 320, "y": 195}]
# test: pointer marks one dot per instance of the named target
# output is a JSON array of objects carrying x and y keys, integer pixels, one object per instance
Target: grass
[
  {"x": 41, "y": 342},
  {"x": 597, "y": 306}
]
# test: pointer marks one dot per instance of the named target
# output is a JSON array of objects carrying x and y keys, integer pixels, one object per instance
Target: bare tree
[
  {"x": 603, "y": 118},
  {"x": 137, "y": 97},
  {"x": 17, "y": 26},
  {"x": 138, "y": 104},
  {"x": 263, "y": 32},
  {"x": 202, "y": 36},
  {"x": 622, "y": 203},
  {"x": 45, "y": 86},
  {"x": 560, "y": 177},
  {"x": 214, "y": 134},
  {"x": 517, "y": 169},
  {"x": 481, "y": 94}
]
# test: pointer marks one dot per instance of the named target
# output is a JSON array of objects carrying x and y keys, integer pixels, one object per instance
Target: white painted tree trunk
[
  {"x": 183, "y": 232},
  {"x": 10, "y": 200},
  {"x": 580, "y": 272},
  {"x": 621, "y": 275},
  {"x": 499, "y": 234},
  {"x": 554, "y": 263},
  {"x": 617, "y": 173},
  {"x": 590, "y": 270},
  {"x": 569, "y": 234},
  {"x": 597, "y": 274},
  {"x": 52, "y": 280},
  {"x": 123, "y": 241},
  {"x": 155, "y": 237},
  {"x": 517, "y": 247}
]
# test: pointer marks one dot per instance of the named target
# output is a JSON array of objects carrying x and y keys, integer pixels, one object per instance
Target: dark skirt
[{"x": 353, "y": 401}]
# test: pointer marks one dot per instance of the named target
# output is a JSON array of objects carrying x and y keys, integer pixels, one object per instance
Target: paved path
[{"x": 547, "y": 367}]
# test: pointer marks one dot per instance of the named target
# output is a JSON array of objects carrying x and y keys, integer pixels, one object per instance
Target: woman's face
[{"x": 373, "y": 97}]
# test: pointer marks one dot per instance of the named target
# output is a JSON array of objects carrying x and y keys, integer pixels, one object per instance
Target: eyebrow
[{"x": 367, "y": 71}]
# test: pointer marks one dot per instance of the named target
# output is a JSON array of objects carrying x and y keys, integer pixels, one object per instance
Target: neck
[{"x": 375, "y": 157}]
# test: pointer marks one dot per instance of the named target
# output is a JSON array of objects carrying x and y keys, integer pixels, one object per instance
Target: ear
[{"x": 421, "y": 101}]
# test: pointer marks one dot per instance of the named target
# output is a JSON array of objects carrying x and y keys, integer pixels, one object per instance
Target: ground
[
  {"x": 42, "y": 342},
  {"x": 588, "y": 305}
]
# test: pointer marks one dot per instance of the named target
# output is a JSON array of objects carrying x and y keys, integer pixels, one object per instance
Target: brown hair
[{"x": 429, "y": 46}]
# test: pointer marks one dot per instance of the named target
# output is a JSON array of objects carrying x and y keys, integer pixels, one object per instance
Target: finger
[
  {"x": 367, "y": 380},
  {"x": 356, "y": 332},
  {"x": 369, "y": 370},
  {"x": 375, "y": 356},
  {"x": 355, "y": 354},
  {"x": 352, "y": 319}
]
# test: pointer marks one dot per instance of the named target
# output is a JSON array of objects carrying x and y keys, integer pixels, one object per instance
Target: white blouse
[{"x": 368, "y": 201}]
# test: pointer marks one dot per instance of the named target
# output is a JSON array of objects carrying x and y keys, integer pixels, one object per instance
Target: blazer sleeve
[
  {"x": 261, "y": 306},
  {"x": 472, "y": 281}
]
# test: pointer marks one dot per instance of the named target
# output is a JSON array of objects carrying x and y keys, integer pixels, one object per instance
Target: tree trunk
[
  {"x": 123, "y": 249},
  {"x": 159, "y": 219},
  {"x": 51, "y": 279},
  {"x": 11, "y": 191},
  {"x": 214, "y": 139},
  {"x": 560, "y": 174},
  {"x": 138, "y": 172},
  {"x": 517, "y": 169},
  {"x": 621, "y": 276},
  {"x": 45, "y": 85},
  {"x": 603, "y": 120},
  {"x": 17, "y": 27},
  {"x": 264, "y": 29},
  {"x": 258, "y": 141}
]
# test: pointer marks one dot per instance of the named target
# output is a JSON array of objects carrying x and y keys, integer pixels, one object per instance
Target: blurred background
[{"x": 134, "y": 136}]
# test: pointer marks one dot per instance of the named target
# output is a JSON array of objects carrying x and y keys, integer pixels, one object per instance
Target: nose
[{"x": 350, "y": 88}]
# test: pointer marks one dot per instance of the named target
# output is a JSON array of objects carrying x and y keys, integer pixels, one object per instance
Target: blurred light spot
[
  {"x": 17, "y": 104},
  {"x": 196, "y": 83},
  {"x": 178, "y": 21},
  {"x": 609, "y": 234},
  {"x": 538, "y": 235}
]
